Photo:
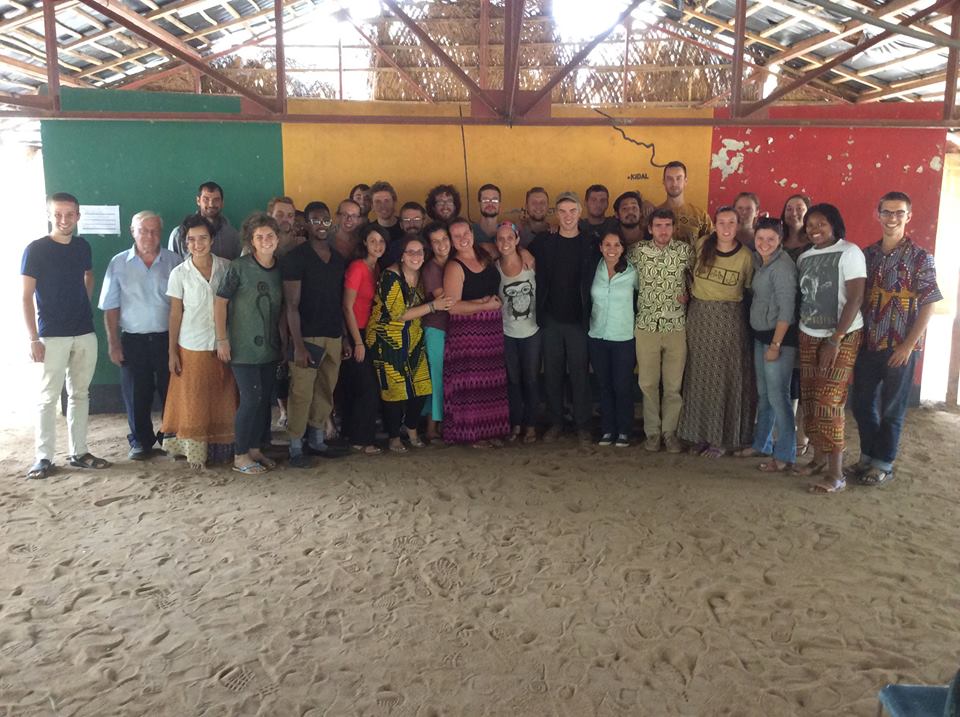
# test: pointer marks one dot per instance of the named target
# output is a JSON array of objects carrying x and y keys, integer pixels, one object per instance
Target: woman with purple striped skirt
[{"x": 475, "y": 408}]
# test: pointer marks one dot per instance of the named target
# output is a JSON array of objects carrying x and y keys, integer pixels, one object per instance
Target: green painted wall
[{"x": 158, "y": 166}]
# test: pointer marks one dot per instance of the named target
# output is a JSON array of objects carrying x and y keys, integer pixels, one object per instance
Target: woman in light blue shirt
[{"x": 612, "y": 352}]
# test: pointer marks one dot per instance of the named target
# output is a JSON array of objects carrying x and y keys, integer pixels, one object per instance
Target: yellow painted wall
[{"x": 322, "y": 161}]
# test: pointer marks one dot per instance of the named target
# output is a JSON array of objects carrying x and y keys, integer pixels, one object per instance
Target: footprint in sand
[
  {"x": 445, "y": 574},
  {"x": 782, "y": 626},
  {"x": 566, "y": 692},
  {"x": 388, "y": 699},
  {"x": 826, "y": 537},
  {"x": 130, "y": 498},
  {"x": 236, "y": 678},
  {"x": 408, "y": 543},
  {"x": 719, "y": 606},
  {"x": 26, "y": 551}
]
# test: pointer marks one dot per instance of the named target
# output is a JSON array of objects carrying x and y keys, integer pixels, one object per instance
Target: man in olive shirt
[
  {"x": 663, "y": 267},
  {"x": 691, "y": 222}
]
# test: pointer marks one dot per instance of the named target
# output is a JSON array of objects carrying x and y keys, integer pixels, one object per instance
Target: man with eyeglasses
[
  {"x": 485, "y": 231},
  {"x": 349, "y": 217},
  {"x": 412, "y": 216},
  {"x": 312, "y": 291},
  {"x": 899, "y": 298},
  {"x": 226, "y": 239}
]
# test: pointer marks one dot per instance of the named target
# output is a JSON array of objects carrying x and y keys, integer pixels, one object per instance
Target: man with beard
[
  {"x": 628, "y": 209},
  {"x": 595, "y": 224},
  {"x": 691, "y": 221},
  {"x": 226, "y": 239},
  {"x": 349, "y": 217},
  {"x": 535, "y": 208},
  {"x": 361, "y": 195},
  {"x": 411, "y": 221},
  {"x": 443, "y": 203},
  {"x": 485, "y": 231},
  {"x": 283, "y": 210}
]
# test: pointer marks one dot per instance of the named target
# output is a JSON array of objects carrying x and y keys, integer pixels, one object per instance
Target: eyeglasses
[
  {"x": 445, "y": 203},
  {"x": 413, "y": 252},
  {"x": 412, "y": 220},
  {"x": 325, "y": 222},
  {"x": 489, "y": 201},
  {"x": 348, "y": 216},
  {"x": 888, "y": 214}
]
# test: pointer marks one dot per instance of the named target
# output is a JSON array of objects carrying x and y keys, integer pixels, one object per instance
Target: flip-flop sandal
[
  {"x": 40, "y": 470},
  {"x": 251, "y": 469},
  {"x": 875, "y": 477},
  {"x": 713, "y": 452},
  {"x": 824, "y": 488},
  {"x": 698, "y": 449},
  {"x": 774, "y": 467},
  {"x": 397, "y": 448},
  {"x": 267, "y": 463},
  {"x": 88, "y": 460},
  {"x": 417, "y": 444},
  {"x": 371, "y": 450}
]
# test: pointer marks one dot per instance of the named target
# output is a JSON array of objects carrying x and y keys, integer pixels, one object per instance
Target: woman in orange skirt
[{"x": 202, "y": 397}]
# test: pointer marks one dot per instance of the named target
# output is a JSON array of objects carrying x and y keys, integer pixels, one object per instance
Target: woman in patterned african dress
[{"x": 394, "y": 337}]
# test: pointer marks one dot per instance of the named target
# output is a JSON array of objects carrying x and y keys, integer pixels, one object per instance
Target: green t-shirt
[
  {"x": 730, "y": 274},
  {"x": 253, "y": 314}
]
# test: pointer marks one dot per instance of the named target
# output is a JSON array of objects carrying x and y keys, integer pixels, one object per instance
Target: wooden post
[
  {"x": 950, "y": 91},
  {"x": 281, "y": 57},
  {"x": 739, "y": 36},
  {"x": 53, "y": 57}
]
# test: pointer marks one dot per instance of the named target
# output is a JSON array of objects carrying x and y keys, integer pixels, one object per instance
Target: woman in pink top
[{"x": 362, "y": 391}]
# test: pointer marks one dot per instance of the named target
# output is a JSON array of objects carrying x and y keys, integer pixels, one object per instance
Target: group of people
[{"x": 741, "y": 330}]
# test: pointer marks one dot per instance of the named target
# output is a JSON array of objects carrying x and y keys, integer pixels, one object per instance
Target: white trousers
[{"x": 74, "y": 359}]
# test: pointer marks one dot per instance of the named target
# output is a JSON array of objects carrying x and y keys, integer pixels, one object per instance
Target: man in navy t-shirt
[{"x": 58, "y": 272}]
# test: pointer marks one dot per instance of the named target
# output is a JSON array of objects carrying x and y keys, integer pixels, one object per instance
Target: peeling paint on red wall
[{"x": 848, "y": 167}]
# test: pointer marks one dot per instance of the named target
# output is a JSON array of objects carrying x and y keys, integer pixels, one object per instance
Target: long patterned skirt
[
  {"x": 200, "y": 408},
  {"x": 823, "y": 393},
  {"x": 475, "y": 404},
  {"x": 719, "y": 387}
]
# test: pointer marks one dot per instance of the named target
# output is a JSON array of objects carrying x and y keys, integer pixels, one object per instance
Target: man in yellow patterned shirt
[
  {"x": 691, "y": 221},
  {"x": 663, "y": 267}
]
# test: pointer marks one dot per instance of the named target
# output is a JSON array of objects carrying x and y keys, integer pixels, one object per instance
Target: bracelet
[
  {"x": 36, "y": 341},
  {"x": 835, "y": 344},
  {"x": 221, "y": 340},
  {"x": 432, "y": 307}
]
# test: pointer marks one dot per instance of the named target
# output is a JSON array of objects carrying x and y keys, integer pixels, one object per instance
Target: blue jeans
[
  {"x": 774, "y": 409},
  {"x": 613, "y": 363},
  {"x": 251, "y": 426},
  {"x": 880, "y": 395},
  {"x": 523, "y": 378}
]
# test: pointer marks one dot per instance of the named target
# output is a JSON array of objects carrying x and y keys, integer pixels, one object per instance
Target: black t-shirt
[
  {"x": 394, "y": 232},
  {"x": 321, "y": 289},
  {"x": 564, "y": 302},
  {"x": 63, "y": 307}
]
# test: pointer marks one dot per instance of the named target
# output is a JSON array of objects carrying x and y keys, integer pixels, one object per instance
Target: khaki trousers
[
  {"x": 311, "y": 388},
  {"x": 661, "y": 357}
]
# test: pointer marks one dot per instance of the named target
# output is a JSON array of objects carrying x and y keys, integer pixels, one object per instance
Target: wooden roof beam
[
  {"x": 159, "y": 37},
  {"x": 575, "y": 61},
  {"x": 953, "y": 65},
  {"x": 441, "y": 55},
  {"x": 513, "y": 24},
  {"x": 841, "y": 58},
  {"x": 37, "y": 72},
  {"x": 900, "y": 88},
  {"x": 803, "y": 15}
]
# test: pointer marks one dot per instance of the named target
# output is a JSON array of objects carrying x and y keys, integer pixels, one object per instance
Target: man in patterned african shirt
[
  {"x": 898, "y": 302},
  {"x": 663, "y": 265}
]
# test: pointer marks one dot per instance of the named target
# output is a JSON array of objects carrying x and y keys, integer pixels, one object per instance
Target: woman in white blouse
[{"x": 202, "y": 397}]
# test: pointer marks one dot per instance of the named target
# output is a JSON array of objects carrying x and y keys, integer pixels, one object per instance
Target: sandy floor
[{"x": 523, "y": 581}]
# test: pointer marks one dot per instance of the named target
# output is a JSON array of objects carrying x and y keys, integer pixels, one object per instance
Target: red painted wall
[{"x": 848, "y": 167}]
